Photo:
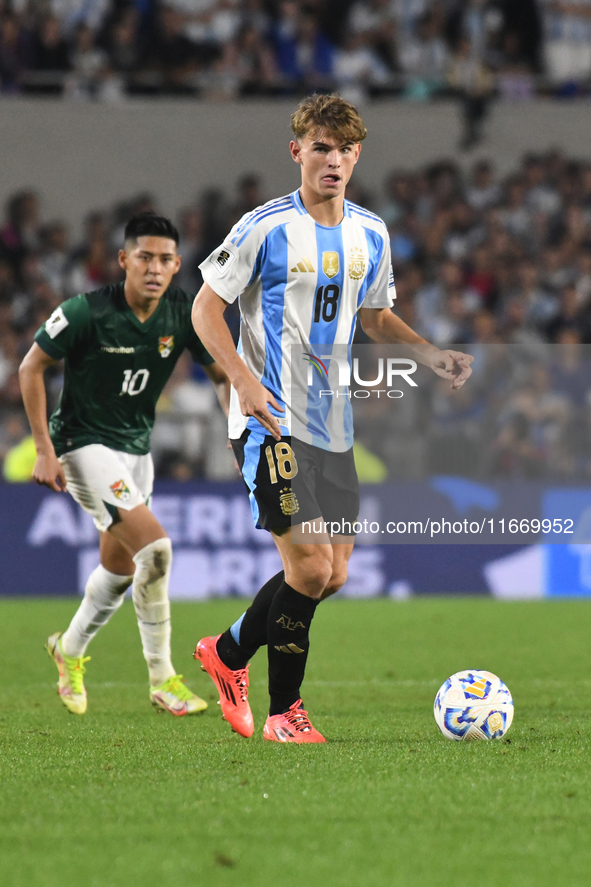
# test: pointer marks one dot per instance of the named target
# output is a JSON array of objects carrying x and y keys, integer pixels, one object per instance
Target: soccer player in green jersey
[{"x": 119, "y": 345}]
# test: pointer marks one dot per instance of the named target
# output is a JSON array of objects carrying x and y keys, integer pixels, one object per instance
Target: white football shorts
[{"x": 102, "y": 480}]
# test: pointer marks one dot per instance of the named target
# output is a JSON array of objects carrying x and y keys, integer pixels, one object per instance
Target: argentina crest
[
  {"x": 330, "y": 264},
  {"x": 356, "y": 263},
  {"x": 288, "y": 502}
]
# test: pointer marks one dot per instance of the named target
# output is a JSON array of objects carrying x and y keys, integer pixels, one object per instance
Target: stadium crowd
[
  {"x": 477, "y": 261},
  {"x": 107, "y": 49}
]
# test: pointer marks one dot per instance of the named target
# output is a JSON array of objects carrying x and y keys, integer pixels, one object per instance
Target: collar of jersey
[
  {"x": 141, "y": 325},
  {"x": 299, "y": 205}
]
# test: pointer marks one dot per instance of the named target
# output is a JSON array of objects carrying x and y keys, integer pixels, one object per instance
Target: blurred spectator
[
  {"x": 190, "y": 249},
  {"x": 124, "y": 46},
  {"x": 541, "y": 194},
  {"x": 567, "y": 47},
  {"x": 473, "y": 83},
  {"x": 304, "y": 53},
  {"x": 51, "y": 56},
  {"x": 522, "y": 20},
  {"x": 89, "y": 272},
  {"x": 425, "y": 57},
  {"x": 182, "y": 435},
  {"x": 247, "y": 67},
  {"x": 443, "y": 306},
  {"x": 408, "y": 13},
  {"x": 73, "y": 13},
  {"x": 171, "y": 54},
  {"x": 515, "y": 81},
  {"x": 250, "y": 195},
  {"x": 89, "y": 65},
  {"x": 514, "y": 215},
  {"x": 571, "y": 315},
  {"x": 15, "y": 53},
  {"x": 358, "y": 69},
  {"x": 482, "y": 191},
  {"x": 21, "y": 231},
  {"x": 54, "y": 255},
  {"x": 375, "y": 21}
]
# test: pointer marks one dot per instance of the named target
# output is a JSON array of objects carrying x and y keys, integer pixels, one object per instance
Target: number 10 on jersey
[{"x": 134, "y": 383}]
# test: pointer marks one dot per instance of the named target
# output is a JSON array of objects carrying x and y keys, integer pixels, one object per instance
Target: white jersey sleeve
[
  {"x": 230, "y": 267},
  {"x": 381, "y": 291}
]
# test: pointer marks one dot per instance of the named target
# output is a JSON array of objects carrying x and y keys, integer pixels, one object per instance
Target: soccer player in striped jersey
[{"x": 305, "y": 267}]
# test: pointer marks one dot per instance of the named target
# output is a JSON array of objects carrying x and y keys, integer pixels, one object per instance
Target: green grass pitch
[{"x": 125, "y": 796}]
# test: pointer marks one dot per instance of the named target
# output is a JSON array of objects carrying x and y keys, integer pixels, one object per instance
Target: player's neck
[
  {"x": 143, "y": 307},
  {"x": 328, "y": 211}
]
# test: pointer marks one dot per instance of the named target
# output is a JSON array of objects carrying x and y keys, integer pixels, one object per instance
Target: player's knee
[
  {"x": 101, "y": 579},
  {"x": 316, "y": 570},
  {"x": 154, "y": 560},
  {"x": 336, "y": 581}
]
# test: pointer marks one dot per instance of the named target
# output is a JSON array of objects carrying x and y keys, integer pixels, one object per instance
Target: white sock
[
  {"x": 103, "y": 595},
  {"x": 152, "y": 607}
]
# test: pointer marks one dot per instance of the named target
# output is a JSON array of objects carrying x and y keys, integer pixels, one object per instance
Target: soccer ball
[{"x": 473, "y": 705}]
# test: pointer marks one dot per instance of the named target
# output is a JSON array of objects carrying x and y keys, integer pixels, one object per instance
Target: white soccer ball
[{"x": 473, "y": 705}]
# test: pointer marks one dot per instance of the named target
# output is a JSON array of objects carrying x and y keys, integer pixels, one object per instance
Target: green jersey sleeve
[
  {"x": 67, "y": 327},
  {"x": 198, "y": 351}
]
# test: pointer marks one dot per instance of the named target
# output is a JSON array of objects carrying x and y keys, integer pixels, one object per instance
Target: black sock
[
  {"x": 253, "y": 628},
  {"x": 288, "y": 626}
]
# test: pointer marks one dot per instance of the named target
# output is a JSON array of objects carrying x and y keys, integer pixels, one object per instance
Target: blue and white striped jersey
[{"x": 300, "y": 283}]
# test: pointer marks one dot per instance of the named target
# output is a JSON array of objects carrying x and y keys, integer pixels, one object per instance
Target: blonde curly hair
[{"x": 330, "y": 113}]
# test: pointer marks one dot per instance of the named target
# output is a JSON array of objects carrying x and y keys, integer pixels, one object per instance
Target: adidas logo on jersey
[{"x": 304, "y": 265}]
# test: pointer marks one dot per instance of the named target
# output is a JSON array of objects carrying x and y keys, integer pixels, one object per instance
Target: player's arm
[
  {"x": 212, "y": 329},
  {"x": 385, "y": 327},
  {"x": 221, "y": 384},
  {"x": 47, "y": 471}
]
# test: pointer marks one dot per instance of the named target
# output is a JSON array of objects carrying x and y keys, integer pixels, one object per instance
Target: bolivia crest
[
  {"x": 120, "y": 491},
  {"x": 165, "y": 345}
]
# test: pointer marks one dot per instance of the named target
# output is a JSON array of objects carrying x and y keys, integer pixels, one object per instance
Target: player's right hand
[
  {"x": 255, "y": 400},
  {"x": 48, "y": 472}
]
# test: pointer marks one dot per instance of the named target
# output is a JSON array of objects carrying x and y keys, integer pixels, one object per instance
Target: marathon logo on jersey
[
  {"x": 56, "y": 323},
  {"x": 356, "y": 263},
  {"x": 330, "y": 264},
  {"x": 112, "y": 349},
  {"x": 165, "y": 345},
  {"x": 223, "y": 259},
  {"x": 120, "y": 491}
]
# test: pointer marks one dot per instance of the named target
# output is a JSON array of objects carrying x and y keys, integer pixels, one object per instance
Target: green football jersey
[{"x": 115, "y": 366}]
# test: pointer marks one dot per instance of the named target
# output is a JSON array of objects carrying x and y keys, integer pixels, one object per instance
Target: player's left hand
[{"x": 452, "y": 365}]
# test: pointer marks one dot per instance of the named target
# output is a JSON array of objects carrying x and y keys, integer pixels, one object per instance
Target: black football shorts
[{"x": 290, "y": 482}]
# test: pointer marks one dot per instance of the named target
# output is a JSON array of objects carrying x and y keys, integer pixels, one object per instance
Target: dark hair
[{"x": 150, "y": 225}]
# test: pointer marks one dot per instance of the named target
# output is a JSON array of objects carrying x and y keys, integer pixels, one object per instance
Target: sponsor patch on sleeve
[
  {"x": 391, "y": 279},
  {"x": 222, "y": 259},
  {"x": 56, "y": 323}
]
